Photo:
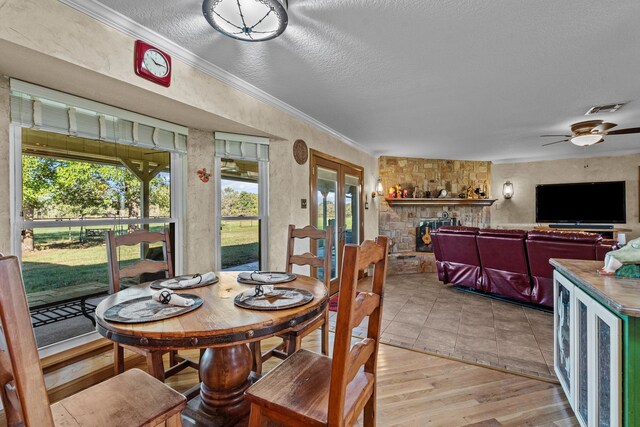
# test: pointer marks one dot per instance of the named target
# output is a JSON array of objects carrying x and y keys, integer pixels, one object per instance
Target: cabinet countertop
[{"x": 622, "y": 295}]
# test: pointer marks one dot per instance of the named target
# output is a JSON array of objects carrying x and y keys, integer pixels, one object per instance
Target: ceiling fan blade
[
  {"x": 605, "y": 126},
  {"x": 556, "y": 142},
  {"x": 623, "y": 131},
  {"x": 566, "y": 136}
]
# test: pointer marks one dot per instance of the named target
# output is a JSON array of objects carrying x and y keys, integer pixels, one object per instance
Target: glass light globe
[
  {"x": 247, "y": 20},
  {"x": 584, "y": 140},
  {"x": 507, "y": 190}
]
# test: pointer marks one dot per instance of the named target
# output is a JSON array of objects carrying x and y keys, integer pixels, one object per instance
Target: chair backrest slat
[
  {"x": 140, "y": 236},
  {"x": 370, "y": 252},
  {"x": 308, "y": 232},
  {"x": 348, "y": 360},
  {"x": 366, "y": 303},
  {"x": 360, "y": 353},
  {"x": 307, "y": 258},
  {"x": 24, "y": 394},
  {"x": 142, "y": 266}
]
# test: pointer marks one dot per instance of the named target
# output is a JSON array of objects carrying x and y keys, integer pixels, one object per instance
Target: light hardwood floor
[
  {"x": 417, "y": 389},
  {"x": 414, "y": 389}
]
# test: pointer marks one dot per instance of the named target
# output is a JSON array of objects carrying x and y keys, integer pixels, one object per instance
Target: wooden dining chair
[
  {"x": 309, "y": 389},
  {"x": 108, "y": 404},
  {"x": 292, "y": 340},
  {"x": 153, "y": 357}
]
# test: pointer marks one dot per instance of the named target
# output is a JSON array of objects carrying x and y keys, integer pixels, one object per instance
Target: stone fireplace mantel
[
  {"x": 439, "y": 202},
  {"x": 400, "y": 219}
]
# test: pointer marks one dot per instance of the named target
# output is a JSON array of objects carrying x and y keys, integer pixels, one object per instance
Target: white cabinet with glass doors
[{"x": 587, "y": 355}]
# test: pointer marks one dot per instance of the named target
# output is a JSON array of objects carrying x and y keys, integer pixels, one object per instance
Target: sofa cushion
[
  {"x": 503, "y": 252},
  {"x": 567, "y": 236},
  {"x": 542, "y": 291},
  {"x": 540, "y": 251},
  {"x": 437, "y": 252},
  {"x": 497, "y": 232},
  {"x": 461, "y": 263},
  {"x": 505, "y": 268},
  {"x": 463, "y": 274},
  {"x": 516, "y": 286},
  {"x": 451, "y": 229}
]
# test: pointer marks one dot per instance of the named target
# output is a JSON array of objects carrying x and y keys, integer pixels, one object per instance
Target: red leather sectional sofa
[{"x": 510, "y": 263}]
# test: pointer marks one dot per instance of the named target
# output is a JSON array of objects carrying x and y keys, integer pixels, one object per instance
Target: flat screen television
[{"x": 583, "y": 202}]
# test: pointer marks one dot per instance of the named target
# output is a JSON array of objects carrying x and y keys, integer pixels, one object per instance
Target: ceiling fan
[{"x": 590, "y": 132}]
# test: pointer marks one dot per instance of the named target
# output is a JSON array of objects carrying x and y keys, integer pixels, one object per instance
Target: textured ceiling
[{"x": 464, "y": 79}]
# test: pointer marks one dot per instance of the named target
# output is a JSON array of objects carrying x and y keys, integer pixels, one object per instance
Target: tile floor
[{"x": 421, "y": 313}]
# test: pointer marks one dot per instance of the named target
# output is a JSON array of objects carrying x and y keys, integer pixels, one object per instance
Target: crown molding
[
  {"x": 124, "y": 24},
  {"x": 585, "y": 154}
]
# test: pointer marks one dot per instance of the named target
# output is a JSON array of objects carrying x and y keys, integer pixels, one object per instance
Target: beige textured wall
[
  {"x": 87, "y": 58},
  {"x": 200, "y": 232},
  {"x": 520, "y": 210},
  {"x": 5, "y": 194}
]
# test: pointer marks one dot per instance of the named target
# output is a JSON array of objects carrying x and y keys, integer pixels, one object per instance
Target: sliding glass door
[{"x": 70, "y": 192}]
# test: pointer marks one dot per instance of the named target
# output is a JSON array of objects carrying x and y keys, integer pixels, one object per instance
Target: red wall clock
[{"x": 152, "y": 64}]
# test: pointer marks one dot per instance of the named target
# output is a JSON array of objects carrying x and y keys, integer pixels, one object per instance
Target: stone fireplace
[{"x": 402, "y": 221}]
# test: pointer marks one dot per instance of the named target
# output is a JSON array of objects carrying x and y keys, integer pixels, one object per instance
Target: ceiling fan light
[
  {"x": 247, "y": 20},
  {"x": 586, "y": 140}
]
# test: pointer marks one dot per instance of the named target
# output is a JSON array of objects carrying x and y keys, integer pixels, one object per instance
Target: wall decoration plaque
[{"x": 300, "y": 152}]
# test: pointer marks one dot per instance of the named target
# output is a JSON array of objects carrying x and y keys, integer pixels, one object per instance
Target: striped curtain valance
[
  {"x": 49, "y": 110},
  {"x": 241, "y": 147}
]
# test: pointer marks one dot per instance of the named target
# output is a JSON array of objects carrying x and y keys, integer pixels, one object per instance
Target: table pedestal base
[{"x": 225, "y": 376}]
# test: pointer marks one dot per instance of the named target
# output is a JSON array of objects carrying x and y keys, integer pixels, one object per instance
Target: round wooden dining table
[{"x": 224, "y": 330}]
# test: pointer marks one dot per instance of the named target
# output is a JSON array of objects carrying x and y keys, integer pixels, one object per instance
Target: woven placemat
[
  {"x": 276, "y": 278},
  {"x": 279, "y": 299},
  {"x": 145, "y": 309},
  {"x": 173, "y": 283}
]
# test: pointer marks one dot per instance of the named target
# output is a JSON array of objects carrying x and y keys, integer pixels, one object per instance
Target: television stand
[
  {"x": 606, "y": 233},
  {"x": 583, "y": 226}
]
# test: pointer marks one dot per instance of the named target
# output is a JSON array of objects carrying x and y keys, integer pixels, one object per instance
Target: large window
[
  {"x": 240, "y": 220},
  {"x": 81, "y": 168},
  {"x": 242, "y": 176},
  {"x": 74, "y": 190}
]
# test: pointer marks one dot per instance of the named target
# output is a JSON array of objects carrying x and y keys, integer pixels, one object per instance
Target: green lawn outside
[
  {"x": 61, "y": 260},
  {"x": 239, "y": 242}
]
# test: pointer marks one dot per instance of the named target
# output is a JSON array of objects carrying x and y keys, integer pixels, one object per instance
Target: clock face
[
  {"x": 152, "y": 64},
  {"x": 155, "y": 62}
]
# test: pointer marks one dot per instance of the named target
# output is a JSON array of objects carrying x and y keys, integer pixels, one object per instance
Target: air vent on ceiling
[{"x": 610, "y": 108}]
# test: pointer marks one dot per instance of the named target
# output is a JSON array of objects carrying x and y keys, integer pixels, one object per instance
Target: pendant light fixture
[{"x": 247, "y": 20}]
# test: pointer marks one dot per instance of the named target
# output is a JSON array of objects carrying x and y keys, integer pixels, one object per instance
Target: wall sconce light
[
  {"x": 507, "y": 190},
  {"x": 379, "y": 190}
]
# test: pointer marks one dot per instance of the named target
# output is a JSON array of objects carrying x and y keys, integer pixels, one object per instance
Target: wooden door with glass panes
[{"x": 336, "y": 201}]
